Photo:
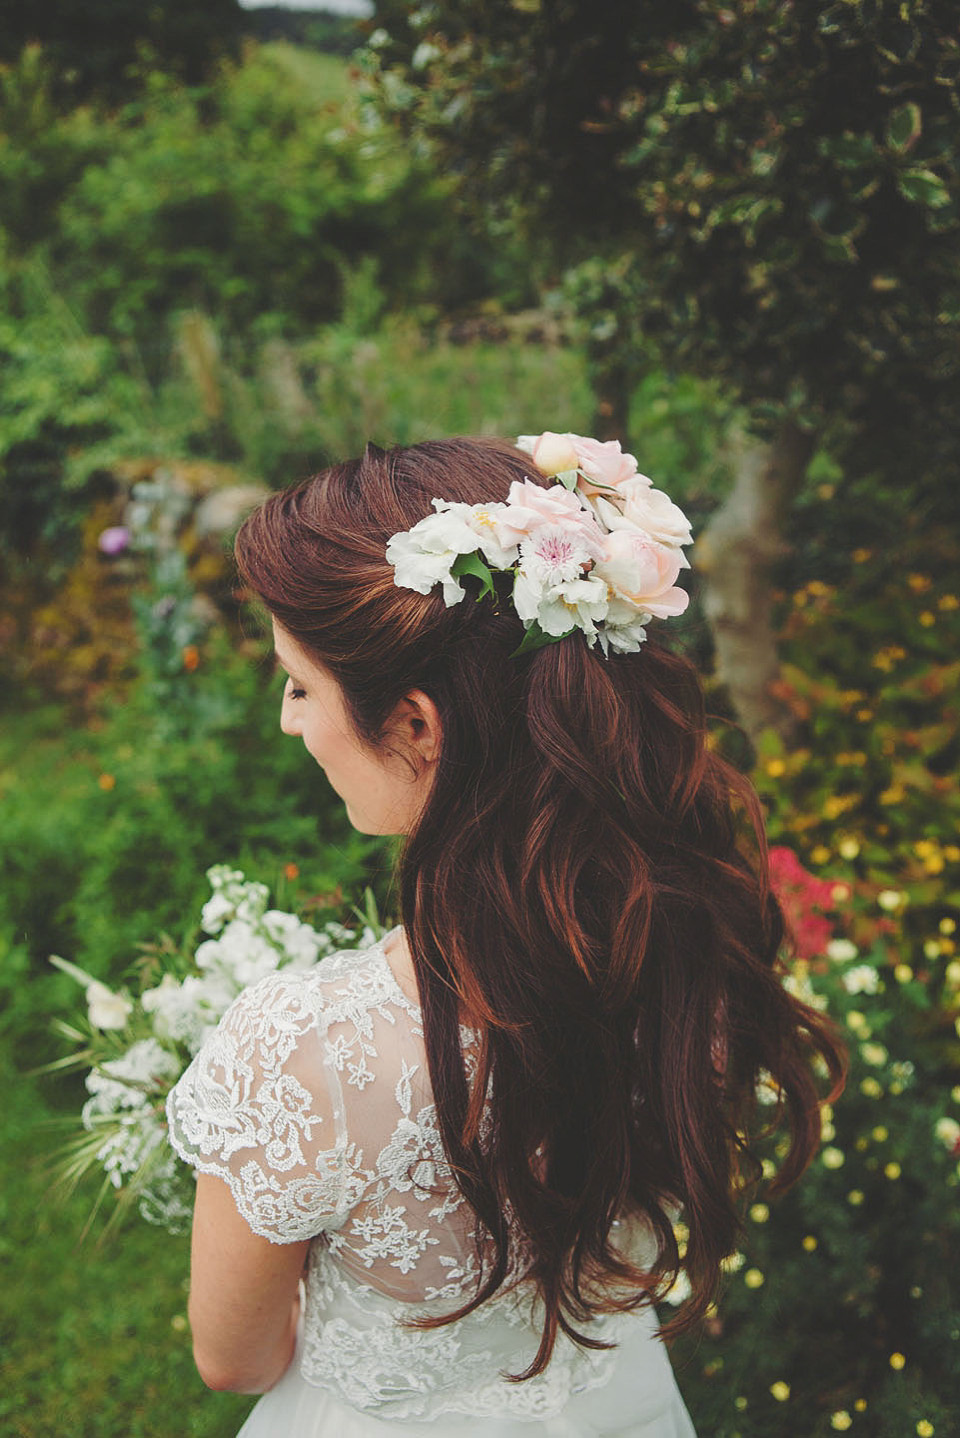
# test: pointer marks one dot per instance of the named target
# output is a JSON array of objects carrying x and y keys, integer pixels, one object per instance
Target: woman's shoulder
[{"x": 343, "y": 985}]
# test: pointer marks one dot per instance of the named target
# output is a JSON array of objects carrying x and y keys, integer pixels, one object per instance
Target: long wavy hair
[{"x": 587, "y": 881}]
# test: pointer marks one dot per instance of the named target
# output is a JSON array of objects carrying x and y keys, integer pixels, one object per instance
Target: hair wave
[{"x": 587, "y": 881}]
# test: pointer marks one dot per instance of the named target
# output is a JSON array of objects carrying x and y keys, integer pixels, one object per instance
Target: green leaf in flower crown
[
  {"x": 924, "y": 188},
  {"x": 568, "y": 478},
  {"x": 535, "y": 638},
  {"x": 904, "y": 128},
  {"x": 473, "y": 564}
]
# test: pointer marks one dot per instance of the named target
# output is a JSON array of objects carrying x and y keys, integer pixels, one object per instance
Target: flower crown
[{"x": 598, "y": 551}]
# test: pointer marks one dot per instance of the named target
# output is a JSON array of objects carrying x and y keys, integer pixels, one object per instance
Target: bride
[{"x": 442, "y": 1181}]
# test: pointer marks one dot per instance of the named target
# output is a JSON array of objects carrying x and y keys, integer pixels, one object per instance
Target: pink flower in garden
[
  {"x": 802, "y": 897},
  {"x": 113, "y": 540},
  {"x": 643, "y": 572}
]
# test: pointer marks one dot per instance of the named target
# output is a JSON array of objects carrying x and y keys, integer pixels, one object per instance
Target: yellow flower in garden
[
  {"x": 809, "y": 1243},
  {"x": 952, "y": 974},
  {"x": 925, "y": 1428},
  {"x": 848, "y": 848},
  {"x": 860, "y": 556},
  {"x": 934, "y": 863},
  {"x": 864, "y": 715},
  {"x": 820, "y": 854},
  {"x": 855, "y": 1197},
  {"x": 759, "y": 1213},
  {"x": 947, "y": 946},
  {"x": 107, "y": 782},
  {"x": 892, "y": 1170},
  {"x": 897, "y": 1361},
  {"x": 833, "y": 807},
  {"x": 732, "y": 1263},
  {"x": 740, "y": 1403},
  {"x": 903, "y": 973},
  {"x": 833, "y": 1158},
  {"x": 951, "y": 852},
  {"x": 780, "y": 1390},
  {"x": 926, "y": 618},
  {"x": 923, "y": 847},
  {"x": 947, "y": 926},
  {"x": 931, "y": 949},
  {"x": 860, "y": 1406},
  {"x": 840, "y": 1420},
  {"x": 753, "y": 1278},
  {"x": 890, "y": 900},
  {"x": 858, "y": 1024},
  {"x": 776, "y": 767},
  {"x": 894, "y": 795},
  {"x": 948, "y": 601},
  {"x": 919, "y": 583},
  {"x": 880, "y": 1134},
  {"x": 955, "y": 1093}
]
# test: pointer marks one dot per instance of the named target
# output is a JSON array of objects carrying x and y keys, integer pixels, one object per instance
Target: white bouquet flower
[{"x": 136, "y": 1047}]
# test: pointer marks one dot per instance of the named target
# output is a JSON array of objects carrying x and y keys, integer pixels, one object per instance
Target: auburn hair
[{"x": 587, "y": 881}]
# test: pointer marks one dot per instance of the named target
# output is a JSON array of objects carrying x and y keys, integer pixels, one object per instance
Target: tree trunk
[{"x": 735, "y": 554}]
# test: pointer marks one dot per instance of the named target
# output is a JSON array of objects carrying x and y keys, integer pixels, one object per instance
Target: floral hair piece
[{"x": 599, "y": 551}]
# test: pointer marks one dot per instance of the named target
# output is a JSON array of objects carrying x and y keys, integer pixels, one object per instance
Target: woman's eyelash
[{"x": 298, "y": 693}]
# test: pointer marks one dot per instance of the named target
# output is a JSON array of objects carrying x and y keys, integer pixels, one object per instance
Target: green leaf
[
  {"x": 534, "y": 638},
  {"x": 568, "y": 478},
  {"x": 923, "y": 187},
  {"x": 473, "y": 564},
  {"x": 904, "y": 128}
]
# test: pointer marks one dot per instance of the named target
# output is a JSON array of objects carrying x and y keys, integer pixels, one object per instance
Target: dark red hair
[{"x": 587, "y": 881}]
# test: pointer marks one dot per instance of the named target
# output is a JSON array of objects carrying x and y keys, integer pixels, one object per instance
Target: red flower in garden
[{"x": 803, "y": 898}]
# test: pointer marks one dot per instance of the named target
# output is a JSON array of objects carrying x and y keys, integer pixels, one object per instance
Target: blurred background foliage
[{"x": 234, "y": 247}]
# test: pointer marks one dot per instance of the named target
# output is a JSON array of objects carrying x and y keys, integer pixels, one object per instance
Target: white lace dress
[{"x": 312, "y": 1101}]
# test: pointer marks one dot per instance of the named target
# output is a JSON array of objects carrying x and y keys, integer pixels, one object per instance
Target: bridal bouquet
[{"x": 136, "y": 1047}]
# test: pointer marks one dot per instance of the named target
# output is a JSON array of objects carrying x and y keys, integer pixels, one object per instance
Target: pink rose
[
  {"x": 644, "y": 573},
  {"x": 529, "y": 506},
  {"x": 638, "y": 506},
  {"x": 604, "y": 462}
]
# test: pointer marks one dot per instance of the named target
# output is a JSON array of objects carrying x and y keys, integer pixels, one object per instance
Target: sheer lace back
[{"x": 312, "y": 1101}]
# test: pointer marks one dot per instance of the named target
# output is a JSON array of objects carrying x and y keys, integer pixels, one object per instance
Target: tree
[
  {"x": 767, "y": 193},
  {"x": 95, "y": 46}
]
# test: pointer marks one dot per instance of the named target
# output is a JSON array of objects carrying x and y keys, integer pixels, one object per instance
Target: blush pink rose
[
  {"x": 644, "y": 573},
  {"x": 530, "y": 506},
  {"x": 604, "y": 462},
  {"x": 639, "y": 506}
]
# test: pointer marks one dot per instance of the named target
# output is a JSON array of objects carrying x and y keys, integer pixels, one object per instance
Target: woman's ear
[{"x": 418, "y": 720}]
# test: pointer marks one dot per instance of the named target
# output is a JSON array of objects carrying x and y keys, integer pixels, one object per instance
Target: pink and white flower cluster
[{"x": 600, "y": 550}]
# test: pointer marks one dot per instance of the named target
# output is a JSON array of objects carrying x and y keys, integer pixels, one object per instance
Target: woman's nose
[{"x": 288, "y": 718}]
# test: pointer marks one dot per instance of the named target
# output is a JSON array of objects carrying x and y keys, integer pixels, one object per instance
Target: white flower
[
  {"x": 861, "y": 980},
  {"x": 841, "y": 951},
  {"x": 106, "y": 1009},
  {"x": 422, "y": 556},
  {"x": 890, "y": 899},
  {"x": 215, "y": 913}
]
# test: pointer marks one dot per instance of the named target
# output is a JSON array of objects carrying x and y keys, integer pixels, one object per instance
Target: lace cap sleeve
[{"x": 257, "y": 1107}]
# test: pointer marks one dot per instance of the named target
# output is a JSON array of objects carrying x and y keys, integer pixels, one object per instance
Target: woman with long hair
[{"x": 475, "y": 1141}]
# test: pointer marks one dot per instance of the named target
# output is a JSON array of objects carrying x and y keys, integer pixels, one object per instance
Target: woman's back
[{"x": 313, "y": 1102}]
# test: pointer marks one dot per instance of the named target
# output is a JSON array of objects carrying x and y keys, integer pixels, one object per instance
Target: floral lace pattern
[{"x": 311, "y": 1100}]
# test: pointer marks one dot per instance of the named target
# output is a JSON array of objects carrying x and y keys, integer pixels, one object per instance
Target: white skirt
[{"x": 641, "y": 1400}]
